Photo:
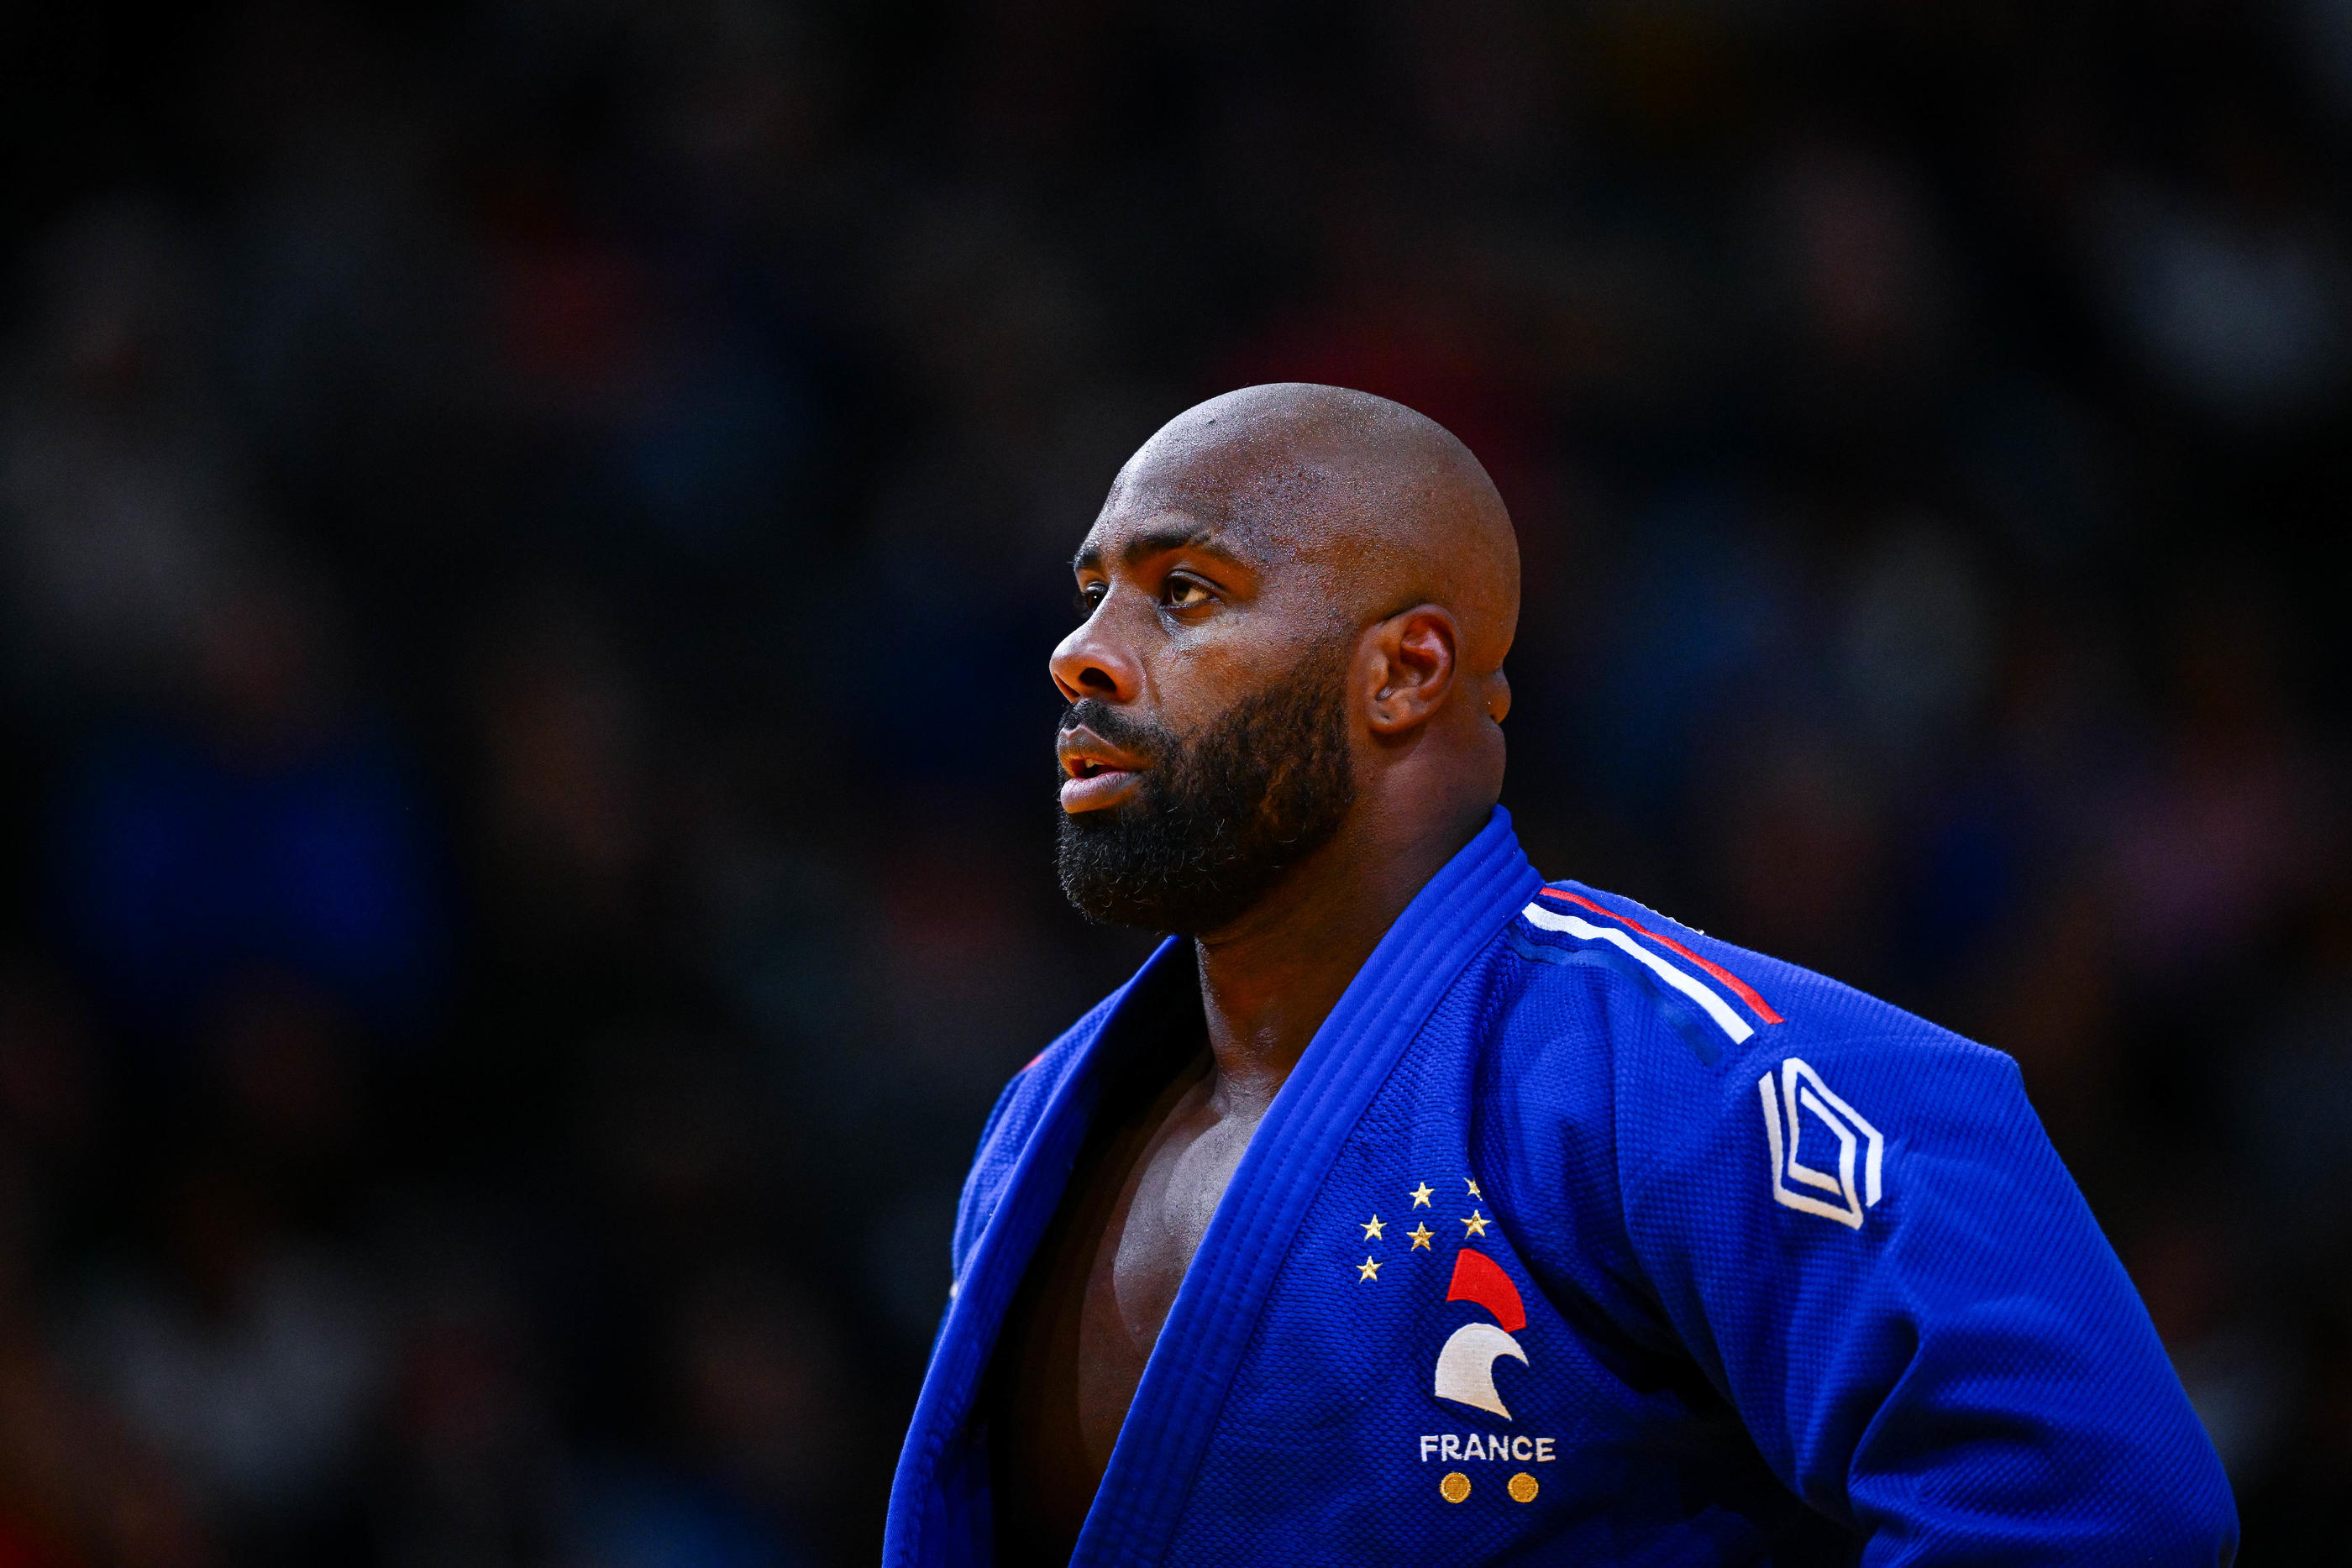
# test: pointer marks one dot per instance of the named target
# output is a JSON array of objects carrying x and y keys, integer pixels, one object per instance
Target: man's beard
[{"x": 1217, "y": 820}]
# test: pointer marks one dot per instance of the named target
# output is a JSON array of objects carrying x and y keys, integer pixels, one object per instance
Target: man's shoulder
[
  {"x": 1647, "y": 977},
  {"x": 1694, "y": 1058}
]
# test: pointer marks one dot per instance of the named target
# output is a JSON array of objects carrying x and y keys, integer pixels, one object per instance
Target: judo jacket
[{"x": 1579, "y": 1237}]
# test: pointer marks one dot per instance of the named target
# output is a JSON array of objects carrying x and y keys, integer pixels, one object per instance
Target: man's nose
[{"x": 1091, "y": 663}]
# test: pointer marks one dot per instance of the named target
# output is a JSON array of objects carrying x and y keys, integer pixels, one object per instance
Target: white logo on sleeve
[{"x": 1803, "y": 1097}]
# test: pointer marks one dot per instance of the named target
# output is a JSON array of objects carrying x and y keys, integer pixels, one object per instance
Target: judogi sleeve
[{"x": 1876, "y": 1256}]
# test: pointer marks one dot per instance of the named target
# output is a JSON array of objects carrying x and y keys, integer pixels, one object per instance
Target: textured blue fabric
[{"x": 1720, "y": 1341}]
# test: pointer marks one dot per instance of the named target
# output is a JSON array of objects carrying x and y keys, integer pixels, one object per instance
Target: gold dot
[
  {"x": 1523, "y": 1488},
  {"x": 1454, "y": 1487}
]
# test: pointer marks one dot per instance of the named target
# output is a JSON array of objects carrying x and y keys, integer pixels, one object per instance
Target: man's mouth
[{"x": 1095, "y": 773}]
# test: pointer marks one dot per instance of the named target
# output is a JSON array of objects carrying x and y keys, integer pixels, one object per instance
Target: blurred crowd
[{"x": 530, "y": 531}]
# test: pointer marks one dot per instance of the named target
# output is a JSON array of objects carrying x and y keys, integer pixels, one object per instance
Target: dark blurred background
[{"x": 532, "y": 531}]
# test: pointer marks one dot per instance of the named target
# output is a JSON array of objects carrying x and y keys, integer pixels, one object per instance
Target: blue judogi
[{"x": 1577, "y": 1235}]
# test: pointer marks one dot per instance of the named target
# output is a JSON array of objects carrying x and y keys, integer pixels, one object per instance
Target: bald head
[
  {"x": 1298, "y": 601},
  {"x": 1380, "y": 504}
]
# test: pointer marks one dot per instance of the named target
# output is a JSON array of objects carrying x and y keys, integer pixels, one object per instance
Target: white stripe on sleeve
[{"x": 1730, "y": 1022}]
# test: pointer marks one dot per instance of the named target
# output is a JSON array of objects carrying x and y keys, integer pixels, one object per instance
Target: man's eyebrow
[{"x": 1158, "y": 541}]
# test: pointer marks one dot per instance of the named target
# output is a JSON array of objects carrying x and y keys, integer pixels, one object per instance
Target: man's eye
[
  {"x": 1183, "y": 594},
  {"x": 1090, "y": 596}
]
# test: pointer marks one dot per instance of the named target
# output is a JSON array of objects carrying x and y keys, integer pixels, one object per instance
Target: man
[{"x": 1406, "y": 1208}]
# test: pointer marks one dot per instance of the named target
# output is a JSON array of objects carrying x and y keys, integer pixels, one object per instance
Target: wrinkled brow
[{"x": 1159, "y": 541}]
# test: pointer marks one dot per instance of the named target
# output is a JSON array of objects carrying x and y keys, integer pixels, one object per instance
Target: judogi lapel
[{"x": 1184, "y": 1385}]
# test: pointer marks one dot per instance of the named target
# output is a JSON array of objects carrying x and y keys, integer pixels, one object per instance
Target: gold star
[
  {"x": 1367, "y": 1270},
  {"x": 1421, "y": 1195},
  {"x": 1373, "y": 1229},
  {"x": 1473, "y": 1187},
  {"x": 1421, "y": 1235},
  {"x": 1473, "y": 1224}
]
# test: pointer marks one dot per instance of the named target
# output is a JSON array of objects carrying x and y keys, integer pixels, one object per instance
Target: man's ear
[{"x": 1413, "y": 668}]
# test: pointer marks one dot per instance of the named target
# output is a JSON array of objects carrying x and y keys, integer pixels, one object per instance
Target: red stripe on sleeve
[{"x": 1746, "y": 993}]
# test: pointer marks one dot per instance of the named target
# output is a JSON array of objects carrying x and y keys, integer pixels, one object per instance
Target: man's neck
[{"x": 1269, "y": 981}]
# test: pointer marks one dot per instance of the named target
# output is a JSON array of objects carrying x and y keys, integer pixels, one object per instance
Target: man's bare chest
[
  {"x": 1135, "y": 1264},
  {"x": 1099, "y": 1289}
]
